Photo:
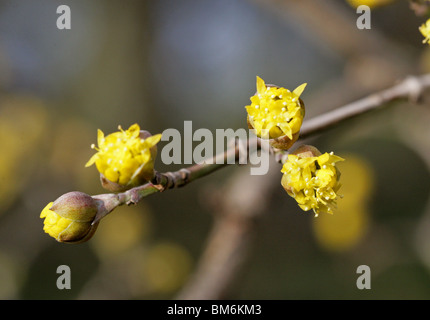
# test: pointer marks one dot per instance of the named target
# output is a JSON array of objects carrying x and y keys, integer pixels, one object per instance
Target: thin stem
[
  {"x": 170, "y": 180},
  {"x": 167, "y": 180},
  {"x": 411, "y": 87}
]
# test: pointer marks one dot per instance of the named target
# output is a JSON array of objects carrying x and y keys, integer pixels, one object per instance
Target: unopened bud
[
  {"x": 70, "y": 217},
  {"x": 306, "y": 151}
]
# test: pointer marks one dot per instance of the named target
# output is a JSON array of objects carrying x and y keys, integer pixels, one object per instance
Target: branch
[
  {"x": 412, "y": 88},
  {"x": 170, "y": 180}
]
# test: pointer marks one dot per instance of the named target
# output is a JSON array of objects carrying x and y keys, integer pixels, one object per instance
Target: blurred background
[{"x": 160, "y": 63}]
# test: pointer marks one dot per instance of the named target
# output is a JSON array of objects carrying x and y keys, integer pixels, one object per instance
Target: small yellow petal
[
  {"x": 100, "y": 137},
  {"x": 45, "y": 210},
  {"x": 92, "y": 160},
  {"x": 134, "y": 130},
  {"x": 261, "y": 86},
  {"x": 153, "y": 140},
  {"x": 299, "y": 90}
]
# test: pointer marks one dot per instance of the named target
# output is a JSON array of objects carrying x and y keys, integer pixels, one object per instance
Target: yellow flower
[
  {"x": 275, "y": 112},
  {"x": 312, "y": 180},
  {"x": 370, "y": 3},
  {"x": 425, "y": 31},
  {"x": 125, "y": 158},
  {"x": 69, "y": 218}
]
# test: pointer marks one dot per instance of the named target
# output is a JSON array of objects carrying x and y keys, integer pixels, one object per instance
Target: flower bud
[
  {"x": 425, "y": 31},
  {"x": 125, "y": 159},
  {"x": 276, "y": 113},
  {"x": 312, "y": 179},
  {"x": 70, "y": 217},
  {"x": 306, "y": 151}
]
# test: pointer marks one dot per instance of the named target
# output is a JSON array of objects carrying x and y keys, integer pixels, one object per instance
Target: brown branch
[
  {"x": 171, "y": 180},
  {"x": 412, "y": 88}
]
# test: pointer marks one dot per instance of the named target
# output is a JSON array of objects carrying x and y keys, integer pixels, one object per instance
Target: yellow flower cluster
[
  {"x": 275, "y": 111},
  {"x": 425, "y": 31},
  {"x": 312, "y": 181},
  {"x": 125, "y": 157}
]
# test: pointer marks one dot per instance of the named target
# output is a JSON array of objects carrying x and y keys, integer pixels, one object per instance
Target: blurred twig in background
[
  {"x": 411, "y": 88},
  {"x": 237, "y": 208}
]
